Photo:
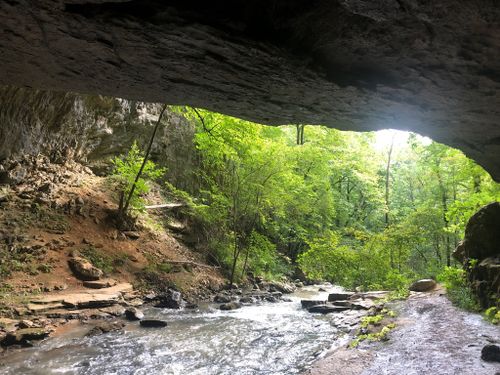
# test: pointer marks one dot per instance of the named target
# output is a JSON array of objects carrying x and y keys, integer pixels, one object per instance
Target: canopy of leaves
[{"x": 268, "y": 203}]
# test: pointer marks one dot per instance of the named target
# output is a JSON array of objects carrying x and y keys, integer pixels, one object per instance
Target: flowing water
[{"x": 271, "y": 338}]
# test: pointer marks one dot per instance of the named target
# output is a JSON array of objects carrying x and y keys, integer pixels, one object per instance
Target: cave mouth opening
[{"x": 314, "y": 192}]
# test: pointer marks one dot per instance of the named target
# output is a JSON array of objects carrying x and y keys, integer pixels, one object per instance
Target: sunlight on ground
[{"x": 383, "y": 139}]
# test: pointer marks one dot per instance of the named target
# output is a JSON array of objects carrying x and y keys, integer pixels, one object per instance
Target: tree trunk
[
  {"x": 387, "y": 181},
  {"x": 444, "y": 204},
  {"x": 146, "y": 156},
  {"x": 300, "y": 134}
]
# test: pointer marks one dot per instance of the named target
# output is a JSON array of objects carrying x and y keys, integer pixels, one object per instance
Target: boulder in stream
[
  {"x": 223, "y": 298},
  {"x": 490, "y": 353},
  {"x": 275, "y": 286},
  {"x": 233, "y": 305},
  {"x": 171, "y": 299},
  {"x": 132, "y": 313},
  {"x": 153, "y": 323},
  {"x": 105, "y": 327},
  {"x": 247, "y": 299}
]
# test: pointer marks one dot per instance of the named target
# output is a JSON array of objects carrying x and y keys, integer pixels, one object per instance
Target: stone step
[{"x": 85, "y": 299}]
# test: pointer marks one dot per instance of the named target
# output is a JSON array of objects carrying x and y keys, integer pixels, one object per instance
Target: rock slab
[{"x": 423, "y": 285}]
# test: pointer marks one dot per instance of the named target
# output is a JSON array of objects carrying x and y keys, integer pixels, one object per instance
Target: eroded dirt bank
[{"x": 432, "y": 337}]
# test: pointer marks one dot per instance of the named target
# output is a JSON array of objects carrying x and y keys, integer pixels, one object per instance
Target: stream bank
[
  {"x": 431, "y": 337},
  {"x": 262, "y": 338}
]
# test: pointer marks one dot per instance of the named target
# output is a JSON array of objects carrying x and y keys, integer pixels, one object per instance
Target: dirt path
[{"x": 433, "y": 337}]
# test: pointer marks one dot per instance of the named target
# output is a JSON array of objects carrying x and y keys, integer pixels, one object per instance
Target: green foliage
[
  {"x": 382, "y": 335},
  {"x": 374, "y": 320},
  {"x": 264, "y": 260},
  {"x": 264, "y": 202},
  {"x": 125, "y": 171},
  {"x": 327, "y": 260},
  {"x": 492, "y": 315},
  {"x": 99, "y": 259},
  {"x": 457, "y": 289}
]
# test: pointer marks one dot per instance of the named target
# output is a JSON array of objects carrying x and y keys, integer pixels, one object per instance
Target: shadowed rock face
[
  {"x": 480, "y": 254},
  {"x": 429, "y": 66}
]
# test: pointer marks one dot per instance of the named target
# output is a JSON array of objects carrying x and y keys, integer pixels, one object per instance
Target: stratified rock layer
[
  {"x": 429, "y": 66},
  {"x": 480, "y": 253}
]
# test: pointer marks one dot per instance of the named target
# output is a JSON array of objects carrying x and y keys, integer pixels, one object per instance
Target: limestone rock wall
[{"x": 92, "y": 129}]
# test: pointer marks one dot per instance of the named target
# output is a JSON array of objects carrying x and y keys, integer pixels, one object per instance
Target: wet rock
[
  {"x": 232, "y": 286},
  {"x": 247, "y": 300},
  {"x": 105, "y": 327},
  {"x": 326, "y": 309},
  {"x": 152, "y": 323},
  {"x": 275, "y": 286},
  {"x": 360, "y": 304},
  {"x": 373, "y": 295},
  {"x": 134, "y": 302},
  {"x": 86, "y": 299},
  {"x": 230, "y": 306},
  {"x": 83, "y": 269},
  {"x": 423, "y": 285},
  {"x": 490, "y": 353},
  {"x": 171, "y": 299},
  {"x": 223, "y": 298},
  {"x": 150, "y": 297},
  {"x": 339, "y": 296},
  {"x": 115, "y": 310},
  {"x": 24, "y": 336},
  {"x": 132, "y": 313},
  {"x": 100, "y": 284},
  {"x": 271, "y": 299},
  {"x": 306, "y": 303}
]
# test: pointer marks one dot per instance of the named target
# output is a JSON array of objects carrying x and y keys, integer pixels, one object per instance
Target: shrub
[
  {"x": 455, "y": 281},
  {"x": 264, "y": 260},
  {"x": 102, "y": 261},
  {"x": 125, "y": 172},
  {"x": 492, "y": 315}
]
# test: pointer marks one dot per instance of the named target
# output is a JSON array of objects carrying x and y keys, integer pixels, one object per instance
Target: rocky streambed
[{"x": 271, "y": 335}]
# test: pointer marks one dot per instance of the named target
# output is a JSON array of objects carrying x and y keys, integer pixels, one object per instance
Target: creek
[{"x": 270, "y": 338}]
